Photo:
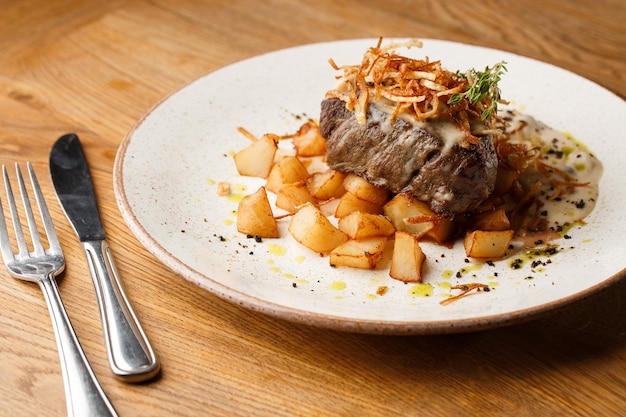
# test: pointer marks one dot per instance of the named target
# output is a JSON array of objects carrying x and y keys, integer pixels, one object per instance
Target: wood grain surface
[{"x": 95, "y": 68}]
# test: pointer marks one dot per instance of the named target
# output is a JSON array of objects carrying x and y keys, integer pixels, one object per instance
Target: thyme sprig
[{"x": 482, "y": 85}]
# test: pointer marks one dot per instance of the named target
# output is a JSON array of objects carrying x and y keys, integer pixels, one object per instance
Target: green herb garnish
[{"x": 482, "y": 85}]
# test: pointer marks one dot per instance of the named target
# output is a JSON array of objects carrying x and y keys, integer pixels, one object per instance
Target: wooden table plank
[{"x": 96, "y": 68}]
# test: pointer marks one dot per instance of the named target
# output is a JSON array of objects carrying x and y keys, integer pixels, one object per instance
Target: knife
[{"x": 130, "y": 354}]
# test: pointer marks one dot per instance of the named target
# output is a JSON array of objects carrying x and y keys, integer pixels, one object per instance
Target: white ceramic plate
[{"x": 167, "y": 168}]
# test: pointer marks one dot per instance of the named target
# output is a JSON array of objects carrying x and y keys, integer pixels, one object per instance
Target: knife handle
[{"x": 130, "y": 354}]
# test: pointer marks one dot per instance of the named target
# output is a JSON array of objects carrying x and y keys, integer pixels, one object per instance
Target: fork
[{"x": 84, "y": 394}]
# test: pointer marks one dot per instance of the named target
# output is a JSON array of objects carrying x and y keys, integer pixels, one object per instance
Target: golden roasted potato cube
[
  {"x": 313, "y": 230},
  {"x": 436, "y": 227},
  {"x": 326, "y": 185},
  {"x": 363, "y": 190},
  {"x": 293, "y": 196},
  {"x": 363, "y": 254},
  {"x": 282, "y": 153},
  {"x": 487, "y": 244},
  {"x": 288, "y": 170},
  {"x": 443, "y": 230},
  {"x": 417, "y": 226},
  {"x": 350, "y": 202},
  {"x": 255, "y": 217},
  {"x": 408, "y": 258},
  {"x": 399, "y": 208},
  {"x": 309, "y": 141},
  {"x": 257, "y": 159},
  {"x": 416, "y": 217},
  {"x": 493, "y": 220},
  {"x": 314, "y": 164},
  {"x": 359, "y": 225},
  {"x": 408, "y": 215}
]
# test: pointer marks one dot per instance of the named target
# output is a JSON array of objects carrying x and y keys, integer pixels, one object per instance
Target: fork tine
[
  {"x": 53, "y": 240},
  {"x": 5, "y": 244},
  {"x": 30, "y": 218},
  {"x": 17, "y": 225}
]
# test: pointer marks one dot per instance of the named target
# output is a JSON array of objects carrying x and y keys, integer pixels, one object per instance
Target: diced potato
[
  {"x": 293, "y": 196},
  {"x": 363, "y": 254},
  {"x": 329, "y": 207},
  {"x": 312, "y": 229},
  {"x": 283, "y": 153},
  {"x": 413, "y": 216},
  {"x": 255, "y": 217},
  {"x": 288, "y": 170},
  {"x": 257, "y": 159},
  {"x": 399, "y": 208},
  {"x": 492, "y": 220},
  {"x": 359, "y": 225},
  {"x": 308, "y": 141},
  {"x": 443, "y": 230},
  {"x": 487, "y": 244},
  {"x": 350, "y": 202},
  {"x": 326, "y": 185},
  {"x": 408, "y": 258},
  {"x": 419, "y": 228},
  {"x": 363, "y": 190},
  {"x": 314, "y": 164},
  {"x": 408, "y": 215}
]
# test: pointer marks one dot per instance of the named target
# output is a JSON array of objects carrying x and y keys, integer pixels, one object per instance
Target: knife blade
[{"x": 129, "y": 351}]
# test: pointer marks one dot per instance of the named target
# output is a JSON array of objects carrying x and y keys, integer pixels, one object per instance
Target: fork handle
[
  {"x": 83, "y": 392},
  {"x": 131, "y": 357}
]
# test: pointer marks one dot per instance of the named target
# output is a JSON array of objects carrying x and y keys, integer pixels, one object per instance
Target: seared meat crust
[{"x": 407, "y": 158}]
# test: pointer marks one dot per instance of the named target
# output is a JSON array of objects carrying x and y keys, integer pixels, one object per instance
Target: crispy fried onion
[
  {"x": 465, "y": 290},
  {"x": 415, "y": 87},
  {"x": 524, "y": 208},
  {"x": 560, "y": 180}
]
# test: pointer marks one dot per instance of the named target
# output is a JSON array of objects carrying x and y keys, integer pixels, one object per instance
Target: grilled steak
[{"x": 424, "y": 160}]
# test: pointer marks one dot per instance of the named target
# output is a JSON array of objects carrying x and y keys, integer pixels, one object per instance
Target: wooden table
[{"x": 95, "y": 68}]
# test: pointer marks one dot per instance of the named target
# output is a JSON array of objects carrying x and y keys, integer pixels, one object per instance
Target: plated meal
[
  {"x": 409, "y": 150},
  {"x": 367, "y": 193}
]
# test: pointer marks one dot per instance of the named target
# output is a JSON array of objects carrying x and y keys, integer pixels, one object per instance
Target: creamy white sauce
[
  {"x": 566, "y": 154},
  {"x": 441, "y": 128}
]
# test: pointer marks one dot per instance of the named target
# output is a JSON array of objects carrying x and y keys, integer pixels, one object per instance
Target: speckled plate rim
[{"x": 303, "y": 316}]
